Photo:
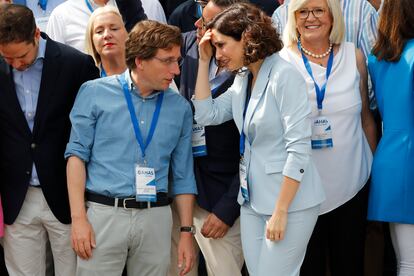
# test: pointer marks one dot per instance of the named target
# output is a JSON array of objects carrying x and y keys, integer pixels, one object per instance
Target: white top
[
  {"x": 68, "y": 21},
  {"x": 154, "y": 10},
  {"x": 344, "y": 168},
  {"x": 42, "y": 16}
]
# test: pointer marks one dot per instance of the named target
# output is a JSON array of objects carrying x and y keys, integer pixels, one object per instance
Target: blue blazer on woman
[{"x": 392, "y": 181}]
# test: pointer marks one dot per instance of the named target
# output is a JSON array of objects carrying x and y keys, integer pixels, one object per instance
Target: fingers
[
  {"x": 274, "y": 232},
  {"x": 189, "y": 262}
]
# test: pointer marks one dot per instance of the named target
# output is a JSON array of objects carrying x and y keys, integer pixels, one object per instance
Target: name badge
[
  {"x": 199, "y": 141},
  {"x": 321, "y": 133},
  {"x": 145, "y": 185},
  {"x": 244, "y": 188}
]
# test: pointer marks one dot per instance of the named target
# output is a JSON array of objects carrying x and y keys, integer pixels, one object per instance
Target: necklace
[{"x": 309, "y": 53}]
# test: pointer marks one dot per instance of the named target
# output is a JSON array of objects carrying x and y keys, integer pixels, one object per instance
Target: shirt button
[
  {"x": 28, "y": 172},
  {"x": 143, "y": 100},
  {"x": 29, "y": 114},
  {"x": 301, "y": 171},
  {"x": 142, "y": 122},
  {"x": 27, "y": 91},
  {"x": 33, "y": 145}
]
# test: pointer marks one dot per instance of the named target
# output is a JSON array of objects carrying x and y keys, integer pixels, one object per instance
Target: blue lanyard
[
  {"x": 103, "y": 72},
  {"x": 246, "y": 104},
  {"x": 43, "y": 4},
  {"x": 320, "y": 92},
  {"x": 134, "y": 119},
  {"x": 89, "y": 5}
]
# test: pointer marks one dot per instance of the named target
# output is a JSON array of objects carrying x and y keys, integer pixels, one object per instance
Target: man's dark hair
[{"x": 17, "y": 24}]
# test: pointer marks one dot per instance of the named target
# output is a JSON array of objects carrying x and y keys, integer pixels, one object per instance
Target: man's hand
[
  {"x": 186, "y": 254},
  {"x": 214, "y": 227},
  {"x": 83, "y": 238}
]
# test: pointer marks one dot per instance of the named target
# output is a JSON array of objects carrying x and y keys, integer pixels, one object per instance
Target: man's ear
[{"x": 139, "y": 63}]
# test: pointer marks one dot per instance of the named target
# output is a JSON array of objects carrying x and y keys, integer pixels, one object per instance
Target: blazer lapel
[
  {"x": 10, "y": 100},
  {"x": 50, "y": 72},
  {"x": 259, "y": 88}
]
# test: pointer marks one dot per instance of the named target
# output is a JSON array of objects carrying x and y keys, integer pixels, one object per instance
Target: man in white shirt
[{"x": 67, "y": 23}]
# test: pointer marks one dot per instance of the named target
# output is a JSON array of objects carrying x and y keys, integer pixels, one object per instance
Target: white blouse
[{"x": 345, "y": 167}]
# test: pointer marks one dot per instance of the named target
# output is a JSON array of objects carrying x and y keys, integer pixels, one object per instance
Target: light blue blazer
[{"x": 277, "y": 129}]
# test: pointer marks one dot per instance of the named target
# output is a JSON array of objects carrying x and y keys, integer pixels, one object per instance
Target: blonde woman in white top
[{"x": 343, "y": 131}]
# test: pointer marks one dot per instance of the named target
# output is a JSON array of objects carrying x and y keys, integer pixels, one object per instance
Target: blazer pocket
[{"x": 274, "y": 167}]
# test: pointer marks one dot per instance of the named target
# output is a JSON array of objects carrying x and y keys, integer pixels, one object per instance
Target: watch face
[{"x": 190, "y": 229}]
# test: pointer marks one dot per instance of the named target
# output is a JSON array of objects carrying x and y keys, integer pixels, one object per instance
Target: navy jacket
[
  {"x": 217, "y": 174},
  {"x": 64, "y": 71}
]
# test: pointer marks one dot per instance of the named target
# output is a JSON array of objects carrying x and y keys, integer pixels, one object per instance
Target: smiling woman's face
[{"x": 318, "y": 23}]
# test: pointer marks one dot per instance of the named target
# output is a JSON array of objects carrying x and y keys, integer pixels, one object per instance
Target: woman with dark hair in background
[
  {"x": 391, "y": 67},
  {"x": 280, "y": 189}
]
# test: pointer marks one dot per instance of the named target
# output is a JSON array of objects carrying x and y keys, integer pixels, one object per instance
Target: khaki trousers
[
  {"x": 26, "y": 239},
  {"x": 223, "y": 256},
  {"x": 139, "y": 238}
]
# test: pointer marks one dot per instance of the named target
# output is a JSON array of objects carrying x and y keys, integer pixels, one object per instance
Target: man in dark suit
[
  {"x": 216, "y": 214},
  {"x": 39, "y": 79}
]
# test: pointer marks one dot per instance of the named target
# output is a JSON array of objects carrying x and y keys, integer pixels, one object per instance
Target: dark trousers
[{"x": 337, "y": 242}]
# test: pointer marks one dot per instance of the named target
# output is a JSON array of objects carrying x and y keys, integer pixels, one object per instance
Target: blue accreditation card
[
  {"x": 244, "y": 187},
  {"x": 321, "y": 133},
  {"x": 146, "y": 189},
  {"x": 199, "y": 141}
]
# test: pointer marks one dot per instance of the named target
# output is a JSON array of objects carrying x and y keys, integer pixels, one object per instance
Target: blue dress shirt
[
  {"x": 27, "y": 85},
  {"x": 102, "y": 135}
]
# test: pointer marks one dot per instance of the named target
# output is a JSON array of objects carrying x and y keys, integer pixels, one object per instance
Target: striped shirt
[{"x": 360, "y": 22}]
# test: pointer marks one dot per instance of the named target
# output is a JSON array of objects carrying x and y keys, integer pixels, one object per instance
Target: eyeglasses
[
  {"x": 304, "y": 14},
  {"x": 170, "y": 61}
]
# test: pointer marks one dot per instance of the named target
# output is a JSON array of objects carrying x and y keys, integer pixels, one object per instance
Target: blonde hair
[
  {"x": 89, "y": 46},
  {"x": 291, "y": 35}
]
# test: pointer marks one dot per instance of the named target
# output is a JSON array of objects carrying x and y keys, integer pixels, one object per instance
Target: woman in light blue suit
[{"x": 280, "y": 189}]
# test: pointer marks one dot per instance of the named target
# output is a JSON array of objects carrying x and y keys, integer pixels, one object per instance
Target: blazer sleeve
[
  {"x": 293, "y": 103},
  {"x": 227, "y": 208},
  {"x": 216, "y": 111}
]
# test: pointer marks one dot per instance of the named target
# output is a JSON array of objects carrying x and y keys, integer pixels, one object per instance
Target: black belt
[{"x": 162, "y": 200}]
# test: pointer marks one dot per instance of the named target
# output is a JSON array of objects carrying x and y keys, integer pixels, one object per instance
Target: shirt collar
[
  {"x": 42, "y": 49},
  {"x": 135, "y": 89}
]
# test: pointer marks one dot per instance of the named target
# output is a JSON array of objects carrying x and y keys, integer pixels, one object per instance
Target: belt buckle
[{"x": 125, "y": 200}]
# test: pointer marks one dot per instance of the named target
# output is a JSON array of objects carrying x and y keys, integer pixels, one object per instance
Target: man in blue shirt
[
  {"x": 39, "y": 80},
  {"x": 130, "y": 132}
]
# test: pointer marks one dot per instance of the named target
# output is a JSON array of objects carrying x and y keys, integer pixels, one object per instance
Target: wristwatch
[{"x": 190, "y": 229}]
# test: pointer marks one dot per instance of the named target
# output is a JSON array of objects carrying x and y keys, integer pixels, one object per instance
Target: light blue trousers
[{"x": 282, "y": 258}]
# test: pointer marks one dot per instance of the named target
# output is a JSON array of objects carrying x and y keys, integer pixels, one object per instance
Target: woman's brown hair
[
  {"x": 245, "y": 21},
  {"x": 396, "y": 26}
]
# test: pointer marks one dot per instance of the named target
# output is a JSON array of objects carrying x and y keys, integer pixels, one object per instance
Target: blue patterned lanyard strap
[
  {"x": 134, "y": 119},
  {"x": 320, "y": 91}
]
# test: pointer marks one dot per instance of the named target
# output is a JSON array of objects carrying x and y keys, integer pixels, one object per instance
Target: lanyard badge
[
  {"x": 199, "y": 141},
  {"x": 145, "y": 181},
  {"x": 243, "y": 171},
  {"x": 321, "y": 127}
]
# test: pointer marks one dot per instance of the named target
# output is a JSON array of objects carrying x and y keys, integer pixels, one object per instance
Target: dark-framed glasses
[
  {"x": 304, "y": 13},
  {"x": 170, "y": 61}
]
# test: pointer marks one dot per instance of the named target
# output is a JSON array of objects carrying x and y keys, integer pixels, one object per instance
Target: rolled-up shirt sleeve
[
  {"x": 83, "y": 121},
  {"x": 291, "y": 96},
  {"x": 183, "y": 180}
]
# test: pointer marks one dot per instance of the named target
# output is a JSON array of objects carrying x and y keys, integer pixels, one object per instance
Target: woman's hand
[
  {"x": 276, "y": 225},
  {"x": 205, "y": 49}
]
